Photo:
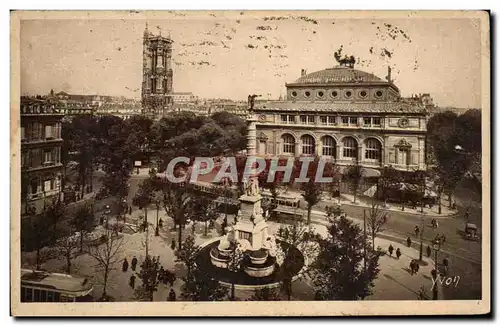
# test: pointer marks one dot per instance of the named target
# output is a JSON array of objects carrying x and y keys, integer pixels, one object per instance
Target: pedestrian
[
  {"x": 134, "y": 263},
  {"x": 417, "y": 267},
  {"x": 125, "y": 265},
  {"x": 443, "y": 239},
  {"x": 434, "y": 223},
  {"x": 160, "y": 223},
  {"x": 408, "y": 242},
  {"x": 446, "y": 262},
  {"x": 172, "y": 245},
  {"x": 412, "y": 267},
  {"x": 398, "y": 253},
  {"x": 466, "y": 215},
  {"x": 129, "y": 210},
  {"x": 417, "y": 230},
  {"x": 171, "y": 295},
  {"x": 132, "y": 281},
  {"x": 193, "y": 228},
  {"x": 428, "y": 251},
  {"x": 391, "y": 249}
]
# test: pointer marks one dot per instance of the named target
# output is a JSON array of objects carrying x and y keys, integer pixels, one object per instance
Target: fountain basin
[{"x": 252, "y": 275}]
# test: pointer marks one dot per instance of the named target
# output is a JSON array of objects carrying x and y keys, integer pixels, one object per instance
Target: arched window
[
  {"x": 372, "y": 151},
  {"x": 350, "y": 147},
  {"x": 308, "y": 145},
  {"x": 328, "y": 146},
  {"x": 288, "y": 144}
]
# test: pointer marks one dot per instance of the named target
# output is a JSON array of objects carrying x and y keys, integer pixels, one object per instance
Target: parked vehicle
[{"x": 471, "y": 231}]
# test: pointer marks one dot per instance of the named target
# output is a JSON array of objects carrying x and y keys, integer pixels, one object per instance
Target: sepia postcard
[{"x": 250, "y": 163}]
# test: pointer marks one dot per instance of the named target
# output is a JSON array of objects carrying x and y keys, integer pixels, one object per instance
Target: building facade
[
  {"x": 157, "y": 77},
  {"x": 348, "y": 115},
  {"x": 184, "y": 97},
  {"x": 41, "y": 167}
]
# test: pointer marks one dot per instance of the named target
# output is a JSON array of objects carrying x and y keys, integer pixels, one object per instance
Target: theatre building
[{"x": 348, "y": 115}]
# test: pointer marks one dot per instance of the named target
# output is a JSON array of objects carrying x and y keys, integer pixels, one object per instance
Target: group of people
[
  {"x": 391, "y": 250},
  {"x": 414, "y": 267},
  {"x": 165, "y": 276}
]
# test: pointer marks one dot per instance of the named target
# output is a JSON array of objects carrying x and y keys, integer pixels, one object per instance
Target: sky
[{"x": 233, "y": 54}]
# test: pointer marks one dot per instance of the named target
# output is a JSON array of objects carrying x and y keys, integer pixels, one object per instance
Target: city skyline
[{"x": 424, "y": 54}]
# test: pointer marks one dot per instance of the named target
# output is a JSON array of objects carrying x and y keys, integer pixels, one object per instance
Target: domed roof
[{"x": 339, "y": 74}]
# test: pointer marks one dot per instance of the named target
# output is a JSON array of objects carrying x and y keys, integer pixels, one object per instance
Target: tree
[
  {"x": 338, "y": 270},
  {"x": 376, "y": 220},
  {"x": 36, "y": 233},
  {"x": 187, "y": 255},
  {"x": 83, "y": 222},
  {"x": 107, "y": 255},
  {"x": 265, "y": 294},
  {"x": 67, "y": 247},
  {"x": 202, "y": 287},
  {"x": 178, "y": 204},
  {"x": 55, "y": 213},
  {"x": 298, "y": 236},
  {"x": 206, "y": 212},
  {"x": 354, "y": 176},
  {"x": 311, "y": 191},
  {"x": 150, "y": 270},
  {"x": 143, "y": 199}
]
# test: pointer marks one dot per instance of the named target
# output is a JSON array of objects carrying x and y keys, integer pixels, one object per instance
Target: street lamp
[{"x": 437, "y": 247}]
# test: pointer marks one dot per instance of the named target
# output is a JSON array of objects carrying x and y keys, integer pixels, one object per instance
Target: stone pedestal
[{"x": 251, "y": 225}]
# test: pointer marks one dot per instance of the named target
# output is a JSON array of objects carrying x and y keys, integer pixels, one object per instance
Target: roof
[
  {"x": 347, "y": 107},
  {"x": 338, "y": 74},
  {"x": 62, "y": 282}
]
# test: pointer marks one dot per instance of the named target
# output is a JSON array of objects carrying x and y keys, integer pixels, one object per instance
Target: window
[
  {"x": 307, "y": 119},
  {"x": 331, "y": 120},
  {"x": 320, "y": 94},
  {"x": 49, "y": 132},
  {"x": 323, "y": 120},
  {"x": 328, "y": 146},
  {"x": 48, "y": 156},
  {"x": 353, "y": 121},
  {"x": 348, "y": 94},
  {"x": 307, "y": 94},
  {"x": 48, "y": 185},
  {"x": 294, "y": 94},
  {"x": 284, "y": 118},
  {"x": 350, "y": 147},
  {"x": 291, "y": 119},
  {"x": 345, "y": 121},
  {"x": 378, "y": 93},
  {"x": 372, "y": 151},
  {"x": 335, "y": 94},
  {"x": 288, "y": 144},
  {"x": 308, "y": 144},
  {"x": 371, "y": 121},
  {"x": 23, "y": 133},
  {"x": 362, "y": 94}
]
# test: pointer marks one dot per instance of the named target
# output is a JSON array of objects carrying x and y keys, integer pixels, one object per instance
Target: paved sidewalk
[{"x": 446, "y": 212}]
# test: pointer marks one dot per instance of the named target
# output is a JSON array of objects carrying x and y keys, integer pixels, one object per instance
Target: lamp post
[{"x": 437, "y": 247}]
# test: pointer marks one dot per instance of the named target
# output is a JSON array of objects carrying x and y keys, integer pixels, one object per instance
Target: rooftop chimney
[{"x": 303, "y": 72}]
